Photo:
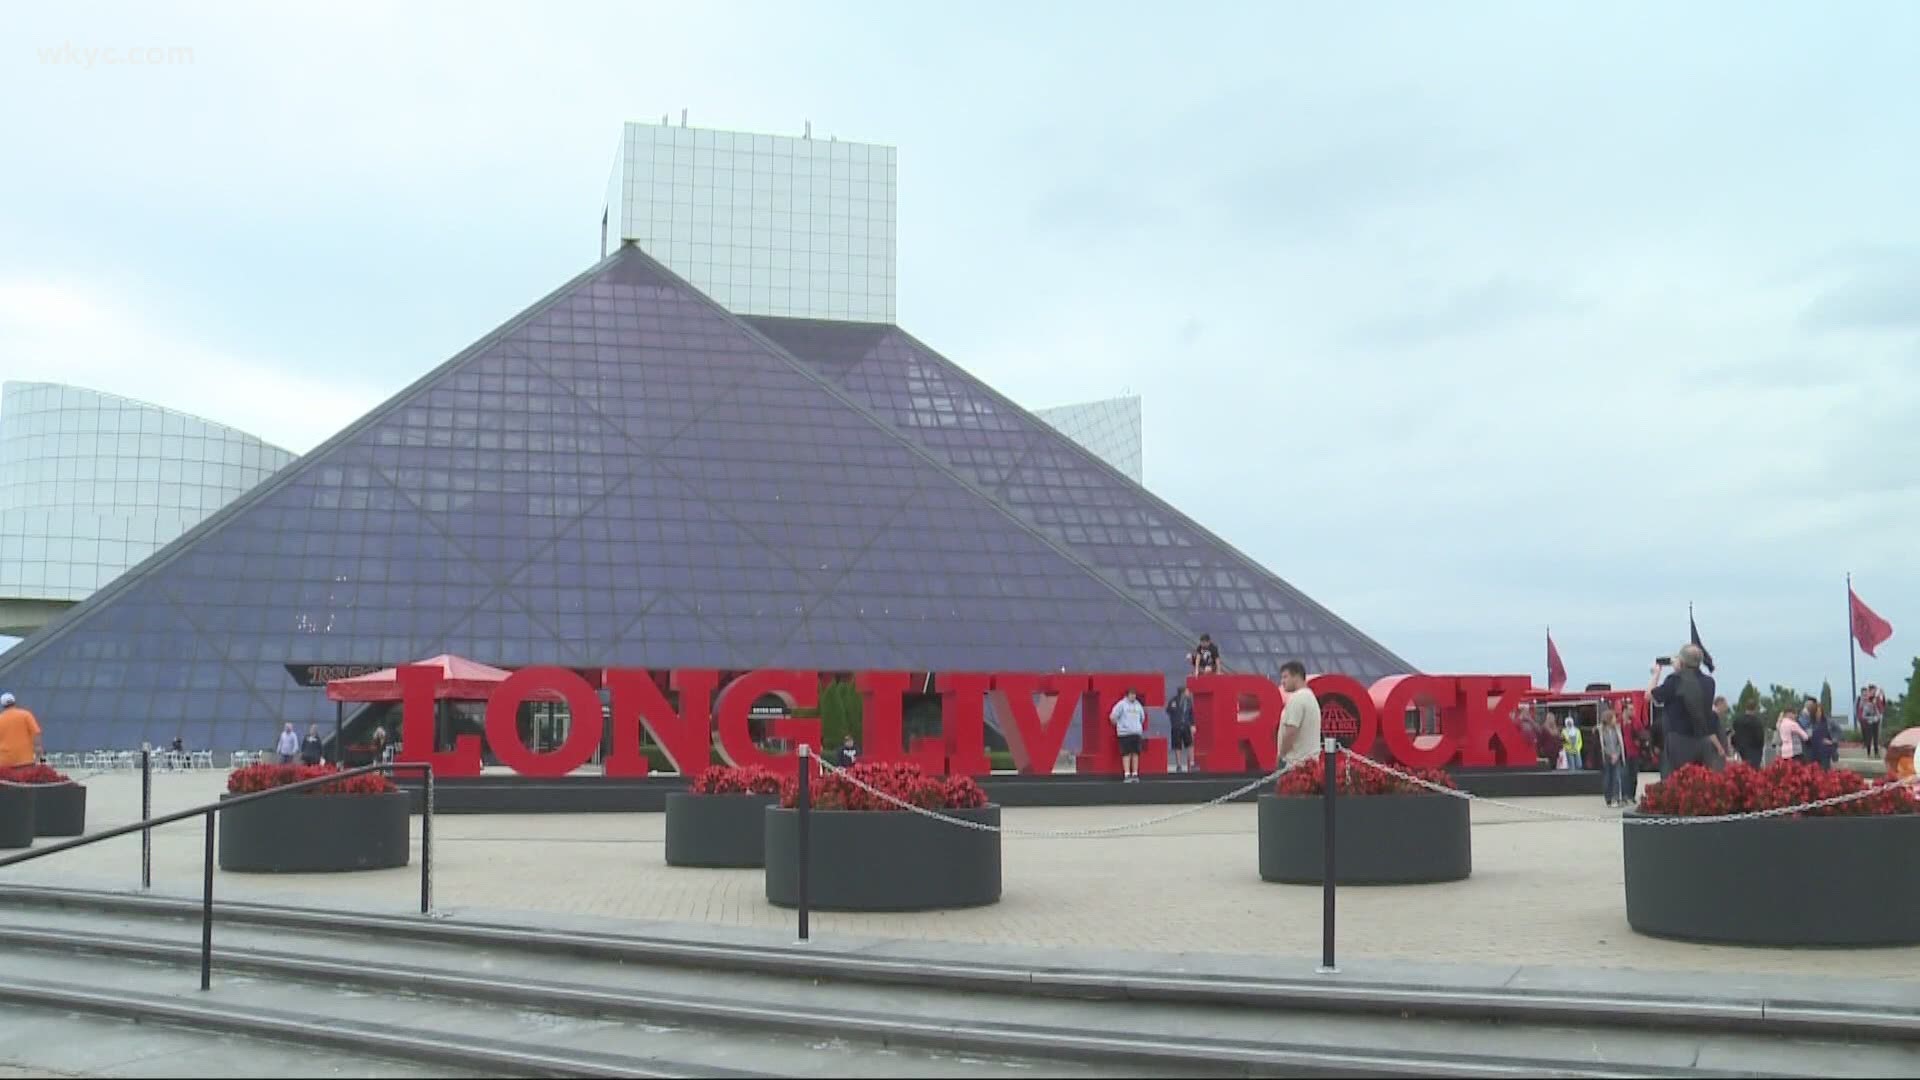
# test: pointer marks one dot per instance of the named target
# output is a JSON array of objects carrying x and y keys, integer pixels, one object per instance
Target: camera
[{"x": 1663, "y": 661}]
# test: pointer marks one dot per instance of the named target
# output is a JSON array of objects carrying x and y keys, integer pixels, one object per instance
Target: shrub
[
  {"x": 1311, "y": 779},
  {"x": 36, "y": 773},
  {"x": 256, "y": 778},
  {"x": 727, "y": 780},
  {"x": 1695, "y": 791},
  {"x": 1001, "y": 760},
  {"x": 902, "y": 780}
]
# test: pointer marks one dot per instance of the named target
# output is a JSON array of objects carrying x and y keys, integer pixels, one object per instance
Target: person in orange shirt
[{"x": 19, "y": 734}]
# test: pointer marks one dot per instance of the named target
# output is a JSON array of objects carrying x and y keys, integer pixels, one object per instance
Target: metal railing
[{"x": 209, "y": 811}]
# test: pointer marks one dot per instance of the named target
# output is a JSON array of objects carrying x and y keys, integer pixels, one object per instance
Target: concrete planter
[
  {"x": 59, "y": 810},
  {"x": 884, "y": 860},
  {"x": 1776, "y": 881},
  {"x": 308, "y": 834},
  {"x": 16, "y": 816},
  {"x": 717, "y": 830},
  {"x": 1378, "y": 839}
]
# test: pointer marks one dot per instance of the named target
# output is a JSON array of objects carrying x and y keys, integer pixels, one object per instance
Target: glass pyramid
[
  {"x": 1082, "y": 503},
  {"x": 628, "y": 475}
]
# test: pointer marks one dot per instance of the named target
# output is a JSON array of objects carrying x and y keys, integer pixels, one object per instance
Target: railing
[{"x": 209, "y": 811}]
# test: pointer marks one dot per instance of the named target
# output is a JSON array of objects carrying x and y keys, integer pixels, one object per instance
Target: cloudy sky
[{"x": 1467, "y": 318}]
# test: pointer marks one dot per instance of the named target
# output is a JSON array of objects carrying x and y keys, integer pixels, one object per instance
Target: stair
[{"x": 373, "y": 993}]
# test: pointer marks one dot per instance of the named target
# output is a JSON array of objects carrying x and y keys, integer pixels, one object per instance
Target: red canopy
[{"x": 460, "y": 680}]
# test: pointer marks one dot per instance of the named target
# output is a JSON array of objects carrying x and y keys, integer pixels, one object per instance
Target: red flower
[
  {"x": 256, "y": 778},
  {"x": 727, "y": 780},
  {"x": 35, "y": 773},
  {"x": 902, "y": 780},
  {"x": 1357, "y": 779},
  {"x": 1695, "y": 791}
]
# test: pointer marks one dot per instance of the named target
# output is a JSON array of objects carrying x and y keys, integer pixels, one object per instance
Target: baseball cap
[{"x": 6, "y": 699}]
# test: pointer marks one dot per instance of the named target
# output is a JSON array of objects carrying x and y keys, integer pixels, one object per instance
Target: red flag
[
  {"x": 1868, "y": 629},
  {"x": 1557, "y": 671}
]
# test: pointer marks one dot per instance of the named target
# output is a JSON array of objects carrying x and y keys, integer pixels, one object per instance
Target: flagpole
[{"x": 1853, "y": 674}]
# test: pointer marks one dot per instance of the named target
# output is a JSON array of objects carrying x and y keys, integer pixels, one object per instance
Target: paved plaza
[{"x": 1543, "y": 892}]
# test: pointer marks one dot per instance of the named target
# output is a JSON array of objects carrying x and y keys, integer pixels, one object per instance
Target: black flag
[{"x": 1695, "y": 631}]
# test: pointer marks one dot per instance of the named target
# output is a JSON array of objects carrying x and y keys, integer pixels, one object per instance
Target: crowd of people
[{"x": 1692, "y": 724}]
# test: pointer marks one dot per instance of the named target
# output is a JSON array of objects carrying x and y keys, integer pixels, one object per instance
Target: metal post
[
  {"x": 1330, "y": 757},
  {"x": 426, "y": 847},
  {"x": 1853, "y": 671},
  {"x": 146, "y": 814},
  {"x": 803, "y": 802},
  {"x": 206, "y": 913}
]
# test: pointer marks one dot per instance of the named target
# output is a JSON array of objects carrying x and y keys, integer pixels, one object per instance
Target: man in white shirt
[
  {"x": 1130, "y": 724},
  {"x": 1300, "y": 717}
]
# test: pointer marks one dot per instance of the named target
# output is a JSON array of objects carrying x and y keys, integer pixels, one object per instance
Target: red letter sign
[
  {"x": 685, "y": 737},
  {"x": 881, "y": 723},
  {"x": 1393, "y": 696},
  {"x": 503, "y": 728},
  {"x": 418, "y": 737},
  {"x": 1223, "y": 725},
  {"x": 962, "y": 702},
  {"x": 799, "y": 689},
  {"x": 1491, "y": 737},
  {"x": 1034, "y": 738}
]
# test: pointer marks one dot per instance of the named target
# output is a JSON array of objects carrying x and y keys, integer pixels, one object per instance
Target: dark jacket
[
  {"x": 1749, "y": 738},
  {"x": 1180, "y": 714},
  {"x": 310, "y": 750},
  {"x": 1686, "y": 701}
]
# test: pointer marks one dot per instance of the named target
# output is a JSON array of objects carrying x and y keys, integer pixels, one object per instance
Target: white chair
[{"x": 202, "y": 759}]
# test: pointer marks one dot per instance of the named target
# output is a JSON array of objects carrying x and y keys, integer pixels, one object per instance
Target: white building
[
  {"x": 1110, "y": 428},
  {"x": 764, "y": 224},
  {"x": 91, "y": 484}
]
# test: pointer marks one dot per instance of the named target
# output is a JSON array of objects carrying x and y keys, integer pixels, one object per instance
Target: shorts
[
  {"x": 1182, "y": 739},
  {"x": 1129, "y": 744}
]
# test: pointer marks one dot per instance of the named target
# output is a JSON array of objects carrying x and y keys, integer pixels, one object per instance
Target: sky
[{"x": 1467, "y": 319}]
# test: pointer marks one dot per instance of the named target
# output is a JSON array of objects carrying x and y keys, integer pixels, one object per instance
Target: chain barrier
[
  {"x": 1541, "y": 811},
  {"x": 1060, "y": 834}
]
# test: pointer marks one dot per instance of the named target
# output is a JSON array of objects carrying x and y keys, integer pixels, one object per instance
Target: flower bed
[
  {"x": 267, "y": 777},
  {"x": 1387, "y": 831},
  {"x": 59, "y": 804},
  {"x": 357, "y": 823},
  {"x": 1814, "y": 877},
  {"x": 867, "y": 854},
  {"x": 719, "y": 821}
]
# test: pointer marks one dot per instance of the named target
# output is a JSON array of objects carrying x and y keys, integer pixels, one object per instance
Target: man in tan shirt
[{"x": 1300, "y": 717}]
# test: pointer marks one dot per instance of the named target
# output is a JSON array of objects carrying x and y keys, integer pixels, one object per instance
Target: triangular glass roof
[
  {"x": 1117, "y": 527},
  {"x": 625, "y": 474}
]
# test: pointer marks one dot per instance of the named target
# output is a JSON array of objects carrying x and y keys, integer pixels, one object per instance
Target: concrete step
[
  {"x": 603, "y": 992},
  {"x": 1859, "y": 1011},
  {"x": 43, "y": 1042}
]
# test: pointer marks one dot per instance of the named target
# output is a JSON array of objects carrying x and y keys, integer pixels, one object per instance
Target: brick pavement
[{"x": 1542, "y": 893}]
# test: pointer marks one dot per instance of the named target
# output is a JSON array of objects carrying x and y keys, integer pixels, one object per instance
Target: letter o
[{"x": 503, "y": 730}]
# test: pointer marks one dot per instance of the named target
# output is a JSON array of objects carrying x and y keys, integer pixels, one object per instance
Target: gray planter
[
  {"x": 717, "y": 830},
  {"x": 59, "y": 810},
  {"x": 884, "y": 860},
  {"x": 16, "y": 816},
  {"x": 308, "y": 834},
  {"x": 1378, "y": 839},
  {"x": 1776, "y": 881}
]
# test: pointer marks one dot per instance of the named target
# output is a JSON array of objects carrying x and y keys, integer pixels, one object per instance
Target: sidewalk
[{"x": 1543, "y": 893}]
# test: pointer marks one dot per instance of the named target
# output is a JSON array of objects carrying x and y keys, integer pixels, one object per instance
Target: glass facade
[
  {"x": 91, "y": 484},
  {"x": 1110, "y": 429},
  {"x": 764, "y": 224},
  {"x": 627, "y": 474},
  {"x": 1114, "y": 527}
]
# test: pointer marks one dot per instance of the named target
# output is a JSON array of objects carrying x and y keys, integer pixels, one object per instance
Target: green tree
[
  {"x": 839, "y": 715},
  {"x": 1781, "y": 699},
  {"x": 1826, "y": 700},
  {"x": 1749, "y": 700},
  {"x": 1908, "y": 713}
]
